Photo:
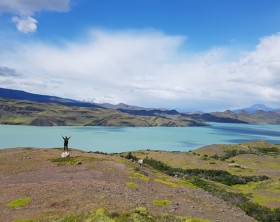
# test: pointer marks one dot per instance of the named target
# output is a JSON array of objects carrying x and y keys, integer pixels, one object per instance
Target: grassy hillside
[
  {"x": 37, "y": 185},
  {"x": 48, "y": 114},
  {"x": 247, "y": 159},
  {"x": 213, "y": 183},
  {"x": 259, "y": 117}
]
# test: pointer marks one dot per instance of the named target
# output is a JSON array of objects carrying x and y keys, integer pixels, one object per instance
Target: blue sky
[{"x": 185, "y": 54}]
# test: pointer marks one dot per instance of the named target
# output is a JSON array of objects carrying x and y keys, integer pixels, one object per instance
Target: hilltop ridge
[{"x": 19, "y": 107}]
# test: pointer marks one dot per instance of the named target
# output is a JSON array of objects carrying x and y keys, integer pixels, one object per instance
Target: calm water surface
[{"x": 119, "y": 139}]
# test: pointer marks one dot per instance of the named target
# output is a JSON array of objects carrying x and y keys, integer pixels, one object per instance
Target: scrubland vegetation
[{"x": 251, "y": 193}]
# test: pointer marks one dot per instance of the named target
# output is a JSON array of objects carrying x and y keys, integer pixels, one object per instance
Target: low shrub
[
  {"x": 161, "y": 203},
  {"x": 141, "y": 176},
  {"x": 129, "y": 156},
  {"x": 132, "y": 184},
  {"x": 220, "y": 176},
  {"x": 67, "y": 160},
  {"x": 19, "y": 203},
  {"x": 99, "y": 215}
]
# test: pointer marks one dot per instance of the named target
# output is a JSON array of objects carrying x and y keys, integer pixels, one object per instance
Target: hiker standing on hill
[{"x": 66, "y": 140}]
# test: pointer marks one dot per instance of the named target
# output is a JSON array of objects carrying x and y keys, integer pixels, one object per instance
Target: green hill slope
[{"x": 48, "y": 114}]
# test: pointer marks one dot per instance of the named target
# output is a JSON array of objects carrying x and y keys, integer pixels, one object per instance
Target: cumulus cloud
[
  {"x": 149, "y": 68},
  {"x": 25, "y": 9},
  {"x": 26, "y": 24}
]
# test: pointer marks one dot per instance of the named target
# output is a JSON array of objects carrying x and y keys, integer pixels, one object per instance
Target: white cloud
[
  {"x": 26, "y": 24},
  {"x": 24, "y": 11},
  {"x": 28, "y": 7},
  {"x": 149, "y": 68}
]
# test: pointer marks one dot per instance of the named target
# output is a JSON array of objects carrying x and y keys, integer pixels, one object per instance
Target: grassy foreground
[{"x": 36, "y": 185}]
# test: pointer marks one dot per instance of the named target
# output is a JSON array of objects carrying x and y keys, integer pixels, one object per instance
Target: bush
[
  {"x": 67, "y": 160},
  {"x": 129, "y": 156},
  {"x": 198, "y": 176},
  {"x": 161, "y": 203},
  {"x": 132, "y": 184},
  {"x": 99, "y": 215},
  {"x": 216, "y": 157},
  {"x": 19, "y": 203},
  {"x": 204, "y": 158},
  {"x": 220, "y": 176}
]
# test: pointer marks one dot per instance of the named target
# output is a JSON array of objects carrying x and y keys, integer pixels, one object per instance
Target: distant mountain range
[
  {"x": 255, "y": 114},
  {"x": 19, "y": 107},
  {"x": 117, "y": 115},
  {"x": 22, "y": 95},
  {"x": 255, "y": 108}
]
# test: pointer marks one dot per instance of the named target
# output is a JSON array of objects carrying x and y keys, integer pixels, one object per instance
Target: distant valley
[{"x": 19, "y": 107}]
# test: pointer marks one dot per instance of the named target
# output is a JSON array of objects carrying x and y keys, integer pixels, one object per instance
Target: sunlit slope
[{"x": 50, "y": 114}]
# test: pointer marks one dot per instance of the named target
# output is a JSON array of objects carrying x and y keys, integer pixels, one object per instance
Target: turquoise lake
[{"x": 119, "y": 139}]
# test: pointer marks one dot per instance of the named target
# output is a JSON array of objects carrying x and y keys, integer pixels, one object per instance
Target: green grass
[
  {"x": 141, "y": 210},
  {"x": 65, "y": 218},
  {"x": 19, "y": 202},
  {"x": 247, "y": 188},
  {"x": 187, "y": 184},
  {"x": 140, "y": 214},
  {"x": 265, "y": 199},
  {"x": 74, "y": 160},
  {"x": 67, "y": 160},
  {"x": 23, "y": 220},
  {"x": 271, "y": 164},
  {"x": 161, "y": 203},
  {"x": 168, "y": 183},
  {"x": 140, "y": 176},
  {"x": 132, "y": 184},
  {"x": 99, "y": 215},
  {"x": 263, "y": 192}
]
